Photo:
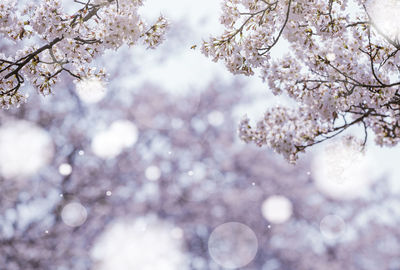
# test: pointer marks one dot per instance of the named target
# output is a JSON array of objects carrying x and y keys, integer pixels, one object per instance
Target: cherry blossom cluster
[
  {"x": 342, "y": 67},
  {"x": 66, "y": 43},
  {"x": 288, "y": 130}
]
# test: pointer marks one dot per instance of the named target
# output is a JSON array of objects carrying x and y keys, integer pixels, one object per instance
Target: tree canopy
[
  {"x": 66, "y": 42},
  {"x": 342, "y": 67}
]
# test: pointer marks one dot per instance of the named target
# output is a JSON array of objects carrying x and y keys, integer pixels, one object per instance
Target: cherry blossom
[
  {"x": 341, "y": 68},
  {"x": 66, "y": 43}
]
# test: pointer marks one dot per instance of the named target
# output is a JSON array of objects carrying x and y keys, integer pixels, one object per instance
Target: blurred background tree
[
  {"x": 137, "y": 182},
  {"x": 145, "y": 173}
]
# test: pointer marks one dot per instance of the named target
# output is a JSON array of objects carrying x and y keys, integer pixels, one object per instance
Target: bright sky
[{"x": 182, "y": 69}]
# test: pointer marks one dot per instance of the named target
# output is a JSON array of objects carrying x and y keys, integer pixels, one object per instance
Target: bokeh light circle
[
  {"x": 65, "y": 169},
  {"x": 74, "y": 214},
  {"x": 110, "y": 143},
  {"x": 341, "y": 171},
  {"x": 232, "y": 245},
  {"x": 152, "y": 173},
  {"x": 24, "y": 149},
  {"x": 332, "y": 227},
  {"x": 277, "y": 209},
  {"x": 385, "y": 17},
  {"x": 215, "y": 118},
  {"x": 90, "y": 90},
  {"x": 146, "y": 243}
]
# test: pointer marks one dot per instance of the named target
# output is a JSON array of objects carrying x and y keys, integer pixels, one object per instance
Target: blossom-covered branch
[
  {"x": 66, "y": 42},
  {"x": 343, "y": 67}
]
